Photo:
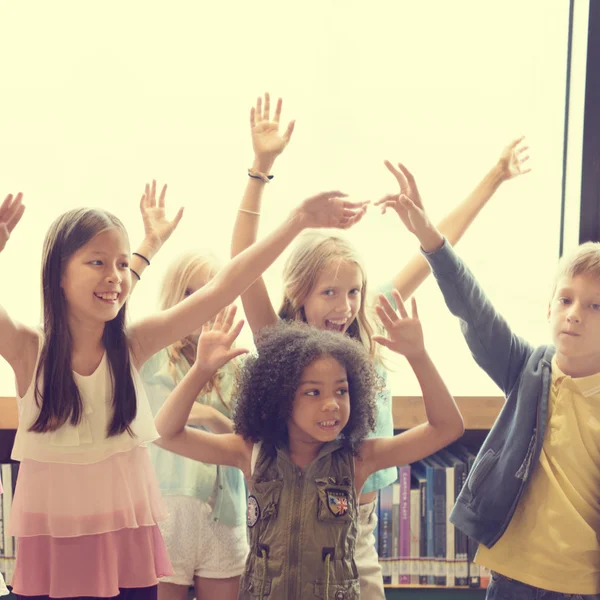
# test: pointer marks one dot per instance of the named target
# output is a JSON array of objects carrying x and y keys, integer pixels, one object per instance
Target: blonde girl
[{"x": 205, "y": 533}]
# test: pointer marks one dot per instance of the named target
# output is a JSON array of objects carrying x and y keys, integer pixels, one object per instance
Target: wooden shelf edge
[
  {"x": 479, "y": 412},
  {"x": 9, "y": 414}
]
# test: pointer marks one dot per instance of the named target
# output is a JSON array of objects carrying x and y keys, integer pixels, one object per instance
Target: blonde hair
[
  {"x": 174, "y": 287},
  {"x": 584, "y": 260},
  {"x": 314, "y": 252}
]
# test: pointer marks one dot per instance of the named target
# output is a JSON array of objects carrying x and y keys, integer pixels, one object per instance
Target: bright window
[{"x": 98, "y": 99}]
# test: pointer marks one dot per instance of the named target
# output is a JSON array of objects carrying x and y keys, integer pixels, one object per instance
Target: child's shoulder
[{"x": 155, "y": 363}]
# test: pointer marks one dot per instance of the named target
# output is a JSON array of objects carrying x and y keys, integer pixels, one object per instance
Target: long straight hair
[
  {"x": 174, "y": 290},
  {"x": 314, "y": 252},
  {"x": 58, "y": 398}
]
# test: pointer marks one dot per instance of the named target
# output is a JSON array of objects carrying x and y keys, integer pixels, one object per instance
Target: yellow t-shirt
[{"x": 551, "y": 541}]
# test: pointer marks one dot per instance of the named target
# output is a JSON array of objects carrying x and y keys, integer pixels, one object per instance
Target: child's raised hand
[
  {"x": 331, "y": 209},
  {"x": 214, "y": 345},
  {"x": 513, "y": 159},
  {"x": 11, "y": 212},
  {"x": 407, "y": 185},
  {"x": 407, "y": 203},
  {"x": 157, "y": 228},
  {"x": 405, "y": 334},
  {"x": 267, "y": 142}
]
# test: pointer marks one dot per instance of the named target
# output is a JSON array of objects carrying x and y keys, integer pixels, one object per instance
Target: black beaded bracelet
[
  {"x": 142, "y": 257},
  {"x": 135, "y": 273},
  {"x": 269, "y": 177}
]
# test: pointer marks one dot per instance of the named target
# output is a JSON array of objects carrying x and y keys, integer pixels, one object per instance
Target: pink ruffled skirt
[{"x": 88, "y": 530}]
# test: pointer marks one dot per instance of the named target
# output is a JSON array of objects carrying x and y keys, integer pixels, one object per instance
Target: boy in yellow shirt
[{"x": 532, "y": 499}]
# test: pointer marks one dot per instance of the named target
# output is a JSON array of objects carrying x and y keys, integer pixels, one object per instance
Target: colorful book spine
[
  {"x": 404, "y": 526},
  {"x": 426, "y": 542},
  {"x": 485, "y": 576},
  {"x": 450, "y": 543},
  {"x": 469, "y": 459},
  {"x": 385, "y": 532},
  {"x": 395, "y": 565},
  {"x": 9, "y": 541},
  {"x": 415, "y": 535},
  {"x": 437, "y": 498}
]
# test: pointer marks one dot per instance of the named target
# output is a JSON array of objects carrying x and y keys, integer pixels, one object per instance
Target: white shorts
[
  {"x": 366, "y": 556},
  {"x": 199, "y": 547}
]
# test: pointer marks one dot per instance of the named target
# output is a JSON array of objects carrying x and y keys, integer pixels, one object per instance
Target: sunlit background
[{"x": 99, "y": 98}]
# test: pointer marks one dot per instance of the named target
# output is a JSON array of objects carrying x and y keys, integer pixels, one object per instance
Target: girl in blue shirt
[{"x": 205, "y": 533}]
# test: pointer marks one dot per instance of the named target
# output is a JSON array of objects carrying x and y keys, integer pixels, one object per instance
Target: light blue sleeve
[{"x": 384, "y": 427}]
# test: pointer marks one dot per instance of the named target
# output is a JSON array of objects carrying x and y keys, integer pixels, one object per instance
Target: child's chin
[{"x": 328, "y": 436}]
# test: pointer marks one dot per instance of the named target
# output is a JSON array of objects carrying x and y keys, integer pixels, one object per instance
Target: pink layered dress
[{"x": 86, "y": 507}]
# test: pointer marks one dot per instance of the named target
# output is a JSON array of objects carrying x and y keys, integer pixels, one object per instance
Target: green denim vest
[{"x": 303, "y": 528}]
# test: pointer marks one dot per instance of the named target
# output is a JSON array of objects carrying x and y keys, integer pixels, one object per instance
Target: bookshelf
[
  {"x": 8, "y": 413},
  {"x": 479, "y": 414},
  {"x": 8, "y": 426}
]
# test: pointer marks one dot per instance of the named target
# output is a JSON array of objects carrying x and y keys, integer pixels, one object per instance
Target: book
[
  {"x": 485, "y": 576},
  {"x": 436, "y": 517},
  {"x": 395, "y": 563},
  {"x": 7, "y": 480},
  {"x": 385, "y": 532},
  {"x": 425, "y": 540},
  {"x": 404, "y": 526},
  {"x": 415, "y": 535},
  {"x": 461, "y": 565},
  {"x": 469, "y": 459}
]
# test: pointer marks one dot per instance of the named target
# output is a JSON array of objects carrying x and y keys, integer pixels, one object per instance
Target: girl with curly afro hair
[{"x": 305, "y": 402}]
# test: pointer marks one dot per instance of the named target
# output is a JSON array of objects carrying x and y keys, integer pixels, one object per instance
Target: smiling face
[
  {"x": 96, "y": 279},
  {"x": 335, "y": 300},
  {"x": 321, "y": 403},
  {"x": 574, "y": 316}
]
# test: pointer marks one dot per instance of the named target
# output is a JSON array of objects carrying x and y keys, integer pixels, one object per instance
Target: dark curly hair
[{"x": 267, "y": 383}]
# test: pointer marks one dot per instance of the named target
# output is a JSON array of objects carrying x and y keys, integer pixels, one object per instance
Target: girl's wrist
[
  {"x": 296, "y": 220},
  {"x": 419, "y": 359},
  {"x": 149, "y": 247},
  {"x": 263, "y": 164},
  {"x": 200, "y": 370},
  {"x": 497, "y": 175},
  {"x": 430, "y": 239}
]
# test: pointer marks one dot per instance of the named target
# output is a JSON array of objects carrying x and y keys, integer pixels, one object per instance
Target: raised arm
[
  {"x": 18, "y": 343},
  {"x": 494, "y": 346},
  {"x": 157, "y": 230},
  {"x": 214, "y": 350},
  {"x": 328, "y": 209},
  {"x": 510, "y": 164},
  {"x": 209, "y": 417},
  {"x": 267, "y": 143},
  {"x": 444, "y": 421}
]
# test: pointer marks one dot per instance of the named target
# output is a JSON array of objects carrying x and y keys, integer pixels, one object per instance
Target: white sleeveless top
[{"x": 86, "y": 442}]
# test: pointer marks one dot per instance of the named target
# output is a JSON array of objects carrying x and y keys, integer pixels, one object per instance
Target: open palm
[
  {"x": 405, "y": 334},
  {"x": 216, "y": 340},
  {"x": 513, "y": 158},
  {"x": 157, "y": 228},
  {"x": 267, "y": 141},
  {"x": 11, "y": 212}
]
